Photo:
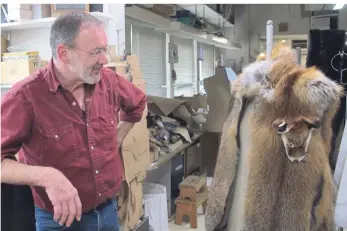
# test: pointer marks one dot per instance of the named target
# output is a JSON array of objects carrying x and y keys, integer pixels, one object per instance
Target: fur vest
[{"x": 272, "y": 170}]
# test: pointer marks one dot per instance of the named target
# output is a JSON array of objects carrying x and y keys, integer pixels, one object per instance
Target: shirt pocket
[
  {"x": 108, "y": 127},
  {"x": 58, "y": 145}
]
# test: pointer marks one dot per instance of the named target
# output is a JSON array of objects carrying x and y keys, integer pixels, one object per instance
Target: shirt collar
[{"x": 53, "y": 82}]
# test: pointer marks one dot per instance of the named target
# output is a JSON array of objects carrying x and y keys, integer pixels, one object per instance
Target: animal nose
[{"x": 291, "y": 144}]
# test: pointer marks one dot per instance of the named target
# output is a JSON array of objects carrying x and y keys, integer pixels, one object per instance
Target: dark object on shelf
[
  {"x": 185, "y": 17},
  {"x": 96, "y": 8}
]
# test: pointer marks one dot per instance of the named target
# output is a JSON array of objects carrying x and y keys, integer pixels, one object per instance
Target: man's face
[{"x": 87, "y": 56}]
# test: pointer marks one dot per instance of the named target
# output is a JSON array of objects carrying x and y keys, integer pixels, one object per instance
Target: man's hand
[
  {"x": 122, "y": 130},
  {"x": 64, "y": 197}
]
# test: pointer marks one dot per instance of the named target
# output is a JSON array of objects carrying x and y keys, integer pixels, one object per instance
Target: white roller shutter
[
  {"x": 184, "y": 68},
  {"x": 149, "y": 46},
  {"x": 207, "y": 66},
  {"x": 128, "y": 37}
]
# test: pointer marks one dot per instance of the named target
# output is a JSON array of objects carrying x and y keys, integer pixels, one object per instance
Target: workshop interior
[{"x": 244, "y": 126}]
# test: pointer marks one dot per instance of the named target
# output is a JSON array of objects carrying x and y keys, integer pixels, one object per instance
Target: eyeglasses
[{"x": 96, "y": 53}]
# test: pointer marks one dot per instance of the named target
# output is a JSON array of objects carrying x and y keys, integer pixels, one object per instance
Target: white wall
[
  {"x": 117, "y": 11},
  {"x": 240, "y": 34},
  {"x": 278, "y": 13},
  {"x": 38, "y": 38},
  {"x": 250, "y": 25}
]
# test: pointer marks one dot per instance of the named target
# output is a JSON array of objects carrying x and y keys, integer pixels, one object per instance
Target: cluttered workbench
[
  {"x": 170, "y": 169},
  {"x": 173, "y": 158}
]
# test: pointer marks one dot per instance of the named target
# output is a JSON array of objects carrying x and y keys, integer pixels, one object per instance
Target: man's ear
[{"x": 62, "y": 53}]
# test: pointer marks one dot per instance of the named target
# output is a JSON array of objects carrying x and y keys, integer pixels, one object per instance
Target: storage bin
[{"x": 155, "y": 199}]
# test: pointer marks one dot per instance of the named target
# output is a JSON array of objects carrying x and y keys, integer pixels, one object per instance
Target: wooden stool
[{"x": 193, "y": 193}]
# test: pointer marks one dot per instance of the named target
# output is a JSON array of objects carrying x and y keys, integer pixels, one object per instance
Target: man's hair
[{"x": 66, "y": 28}]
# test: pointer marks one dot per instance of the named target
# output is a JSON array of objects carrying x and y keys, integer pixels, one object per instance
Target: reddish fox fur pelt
[{"x": 281, "y": 195}]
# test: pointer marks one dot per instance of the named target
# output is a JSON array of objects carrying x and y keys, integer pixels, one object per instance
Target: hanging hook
[{"x": 341, "y": 54}]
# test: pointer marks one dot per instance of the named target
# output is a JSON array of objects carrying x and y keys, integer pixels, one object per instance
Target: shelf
[
  {"x": 179, "y": 29},
  {"x": 164, "y": 158},
  {"x": 211, "y": 16},
  {"x": 6, "y": 85},
  {"x": 45, "y": 22},
  {"x": 146, "y": 18}
]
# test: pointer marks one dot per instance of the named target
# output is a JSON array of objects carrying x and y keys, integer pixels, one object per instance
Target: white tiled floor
[{"x": 186, "y": 226}]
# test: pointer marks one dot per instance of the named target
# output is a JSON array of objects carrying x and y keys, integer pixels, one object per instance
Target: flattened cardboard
[
  {"x": 132, "y": 60},
  {"x": 131, "y": 209},
  {"x": 135, "y": 150},
  {"x": 218, "y": 89},
  {"x": 4, "y": 44},
  {"x": 196, "y": 101},
  {"x": 163, "y": 106}
]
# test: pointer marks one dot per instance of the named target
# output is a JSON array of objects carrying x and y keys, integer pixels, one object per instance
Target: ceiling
[{"x": 319, "y": 7}]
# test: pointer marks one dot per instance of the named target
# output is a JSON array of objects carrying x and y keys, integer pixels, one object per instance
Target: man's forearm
[{"x": 13, "y": 172}]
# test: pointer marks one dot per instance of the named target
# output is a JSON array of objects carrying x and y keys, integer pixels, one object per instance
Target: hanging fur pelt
[{"x": 272, "y": 171}]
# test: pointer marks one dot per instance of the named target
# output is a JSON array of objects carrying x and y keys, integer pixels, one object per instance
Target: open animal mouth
[{"x": 296, "y": 154}]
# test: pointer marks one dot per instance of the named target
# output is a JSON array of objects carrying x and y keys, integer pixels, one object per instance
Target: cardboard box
[
  {"x": 164, "y": 9},
  {"x": 4, "y": 44},
  {"x": 130, "y": 204},
  {"x": 19, "y": 6},
  {"x": 135, "y": 150},
  {"x": 19, "y": 12},
  {"x": 15, "y": 70},
  {"x": 58, "y": 9},
  {"x": 44, "y": 63},
  {"x": 163, "y": 106},
  {"x": 41, "y": 11},
  {"x": 20, "y": 15},
  {"x": 133, "y": 62}
]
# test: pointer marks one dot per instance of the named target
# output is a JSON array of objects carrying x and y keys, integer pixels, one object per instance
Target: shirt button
[
  {"x": 112, "y": 122},
  {"x": 99, "y": 194},
  {"x": 96, "y": 171},
  {"x": 87, "y": 100},
  {"x": 73, "y": 103},
  {"x": 92, "y": 147},
  {"x": 56, "y": 136}
]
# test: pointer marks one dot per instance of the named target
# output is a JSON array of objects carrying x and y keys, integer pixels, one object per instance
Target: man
[{"x": 63, "y": 120}]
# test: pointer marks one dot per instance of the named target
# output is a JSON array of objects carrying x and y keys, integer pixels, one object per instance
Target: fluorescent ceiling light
[
  {"x": 338, "y": 6},
  {"x": 220, "y": 39}
]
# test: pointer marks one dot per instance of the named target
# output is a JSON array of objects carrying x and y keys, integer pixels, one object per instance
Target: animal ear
[
  {"x": 313, "y": 122},
  {"x": 280, "y": 125}
]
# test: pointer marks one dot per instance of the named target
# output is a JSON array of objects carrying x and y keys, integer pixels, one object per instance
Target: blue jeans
[{"x": 103, "y": 218}]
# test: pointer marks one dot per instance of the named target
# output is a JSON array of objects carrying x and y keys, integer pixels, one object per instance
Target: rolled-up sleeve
[
  {"x": 16, "y": 123},
  {"x": 132, "y": 101}
]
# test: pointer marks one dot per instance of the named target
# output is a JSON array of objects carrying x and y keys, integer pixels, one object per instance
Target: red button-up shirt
[{"x": 44, "y": 123}]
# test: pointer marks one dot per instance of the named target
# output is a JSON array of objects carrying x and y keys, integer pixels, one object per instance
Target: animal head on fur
[
  {"x": 296, "y": 135},
  {"x": 294, "y": 98}
]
